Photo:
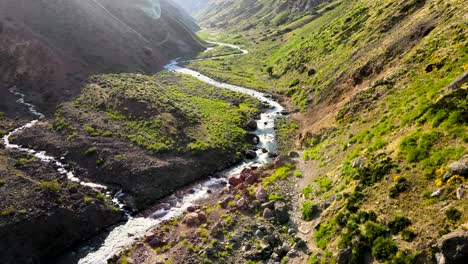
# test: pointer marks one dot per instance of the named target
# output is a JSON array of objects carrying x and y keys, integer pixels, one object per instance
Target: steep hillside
[
  {"x": 51, "y": 46},
  {"x": 147, "y": 135},
  {"x": 379, "y": 95},
  {"x": 246, "y": 15}
]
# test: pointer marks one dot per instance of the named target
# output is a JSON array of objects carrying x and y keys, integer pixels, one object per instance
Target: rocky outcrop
[
  {"x": 453, "y": 248},
  {"x": 42, "y": 213}
]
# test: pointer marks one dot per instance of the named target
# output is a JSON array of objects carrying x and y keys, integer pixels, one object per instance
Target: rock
[
  {"x": 234, "y": 181},
  {"x": 268, "y": 214},
  {"x": 252, "y": 125},
  {"x": 191, "y": 219},
  {"x": 252, "y": 178},
  {"x": 252, "y": 138},
  {"x": 202, "y": 218},
  {"x": 358, "y": 162},
  {"x": 272, "y": 155},
  {"x": 191, "y": 209},
  {"x": 255, "y": 203},
  {"x": 436, "y": 193},
  {"x": 154, "y": 241},
  {"x": 325, "y": 204},
  {"x": 281, "y": 212},
  {"x": 281, "y": 161},
  {"x": 264, "y": 150},
  {"x": 261, "y": 194},
  {"x": 270, "y": 204},
  {"x": 294, "y": 155},
  {"x": 250, "y": 154},
  {"x": 259, "y": 233},
  {"x": 459, "y": 167},
  {"x": 311, "y": 72},
  {"x": 241, "y": 203},
  {"x": 284, "y": 112},
  {"x": 454, "y": 247},
  {"x": 292, "y": 253},
  {"x": 224, "y": 203},
  {"x": 235, "y": 241},
  {"x": 461, "y": 192},
  {"x": 217, "y": 229},
  {"x": 274, "y": 257},
  {"x": 300, "y": 243},
  {"x": 344, "y": 256}
]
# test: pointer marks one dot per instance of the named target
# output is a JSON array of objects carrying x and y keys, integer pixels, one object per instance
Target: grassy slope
[
  {"x": 381, "y": 70},
  {"x": 162, "y": 113}
]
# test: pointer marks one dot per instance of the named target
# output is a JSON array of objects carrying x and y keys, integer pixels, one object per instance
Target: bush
[
  {"x": 374, "y": 230},
  {"x": 50, "y": 186},
  {"x": 405, "y": 257},
  {"x": 324, "y": 234},
  {"x": 453, "y": 214},
  {"x": 384, "y": 248},
  {"x": 407, "y": 235},
  {"x": 398, "y": 224},
  {"x": 297, "y": 173},
  {"x": 308, "y": 210},
  {"x": 400, "y": 185}
]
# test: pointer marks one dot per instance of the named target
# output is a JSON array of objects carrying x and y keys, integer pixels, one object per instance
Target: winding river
[{"x": 99, "y": 249}]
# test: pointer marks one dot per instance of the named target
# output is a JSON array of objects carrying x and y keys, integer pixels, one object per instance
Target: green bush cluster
[
  {"x": 308, "y": 210},
  {"x": 50, "y": 186}
]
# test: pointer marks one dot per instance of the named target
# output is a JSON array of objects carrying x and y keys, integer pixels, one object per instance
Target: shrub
[
  {"x": 398, "y": 224},
  {"x": 88, "y": 199},
  {"x": 407, "y": 235},
  {"x": 384, "y": 248},
  {"x": 308, "y": 210},
  {"x": 294, "y": 83},
  {"x": 2, "y": 182},
  {"x": 324, "y": 234},
  {"x": 298, "y": 173},
  {"x": 400, "y": 185},
  {"x": 405, "y": 257},
  {"x": 50, "y": 186},
  {"x": 90, "y": 151},
  {"x": 373, "y": 230},
  {"x": 8, "y": 212},
  {"x": 453, "y": 214},
  {"x": 101, "y": 196}
]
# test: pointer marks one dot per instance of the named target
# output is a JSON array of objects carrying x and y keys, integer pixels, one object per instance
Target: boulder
[
  {"x": 224, "y": 203},
  {"x": 250, "y": 154},
  {"x": 272, "y": 155},
  {"x": 252, "y": 125},
  {"x": 191, "y": 219},
  {"x": 268, "y": 214},
  {"x": 264, "y": 150},
  {"x": 252, "y": 178},
  {"x": 453, "y": 247},
  {"x": 284, "y": 112},
  {"x": 252, "y": 138},
  {"x": 155, "y": 241},
  {"x": 459, "y": 167},
  {"x": 241, "y": 203},
  {"x": 217, "y": 229},
  {"x": 281, "y": 161},
  {"x": 281, "y": 212},
  {"x": 294, "y": 155},
  {"x": 234, "y": 181},
  {"x": 344, "y": 256},
  {"x": 202, "y": 218},
  {"x": 261, "y": 194}
]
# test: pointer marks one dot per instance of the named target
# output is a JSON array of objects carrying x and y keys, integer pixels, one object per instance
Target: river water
[{"x": 99, "y": 249}]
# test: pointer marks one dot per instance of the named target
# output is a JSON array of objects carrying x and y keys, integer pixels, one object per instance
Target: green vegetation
[
  {"x": 2, "y": 182},
  {"x": 50, "y": 186},
  {"x": 308, "y": 210},
  {"x": 165, "y": 112},
  {"x": 384, "y": 248},
  {"x": 280, "y": 173}
]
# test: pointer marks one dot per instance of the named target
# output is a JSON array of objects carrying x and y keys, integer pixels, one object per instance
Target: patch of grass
[
  {"x": 275, "y": 197},
  {"x": 280, "y": 173},
  {"x": 2, "y": 182},
  {"x": 50, "y": 186},
  {"x": 453, "y": 214},
  {"x": 8, "y": 212},
  {"x": 417, "y": 146},
  {"x": 298, "y": 174},
  {"x": 308, "y": 210},
  {"x": 90, "y": 151}
]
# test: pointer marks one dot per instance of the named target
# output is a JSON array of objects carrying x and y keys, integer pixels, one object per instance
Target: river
[{"x": 99, "y": 249}]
